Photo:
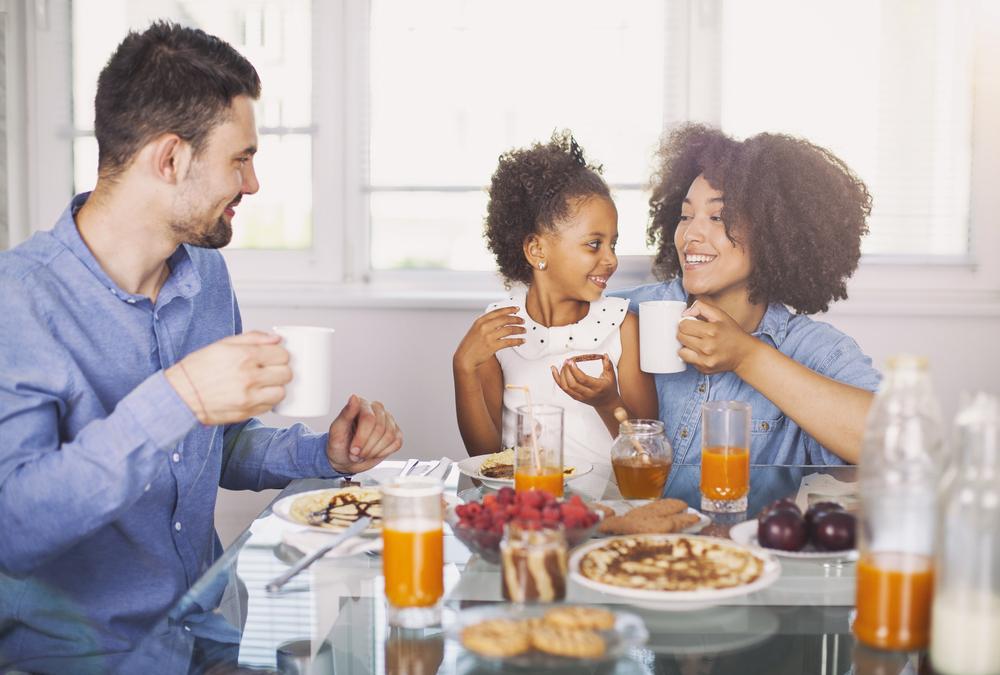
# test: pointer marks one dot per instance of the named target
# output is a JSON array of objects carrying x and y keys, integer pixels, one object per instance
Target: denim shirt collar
[
  {"x": 184, "y": 280},
  {"x": 774, "y": 323}
]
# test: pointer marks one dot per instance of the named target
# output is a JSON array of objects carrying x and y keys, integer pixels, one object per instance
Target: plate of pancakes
[
  {"x": 332, "y": 509},
  {"x": 497, "y": 469},
  {"x": 673, "y": 571}
]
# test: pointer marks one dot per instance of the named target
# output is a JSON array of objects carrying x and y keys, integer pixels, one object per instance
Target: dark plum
[
  {"x": 833, "y": 531},
  {"x": 783, "y": 504},
  {"x": 783, "y": 530},
  {"x": 817, "y": 510}
]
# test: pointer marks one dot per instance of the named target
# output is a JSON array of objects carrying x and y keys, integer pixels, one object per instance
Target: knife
[{"x": 358, "y": 526}]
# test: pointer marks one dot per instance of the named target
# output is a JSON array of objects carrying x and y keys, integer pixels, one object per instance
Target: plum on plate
[
  {"x": 783, "y": 504},
  {"x": 818, "y": 509},
  {"x": 833, "y": 531},
  {"x": 783, "y": 530}
]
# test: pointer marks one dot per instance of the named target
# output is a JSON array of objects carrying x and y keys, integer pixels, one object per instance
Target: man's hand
[
  {"x": 489, "y": 334},
  {"x": 233, "y": 379},
  {"x": 715, "y": 343},
  {"x": 362, "y": 436}
]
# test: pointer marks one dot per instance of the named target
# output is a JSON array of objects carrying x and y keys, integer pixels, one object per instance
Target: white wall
[{"x": 402, "y": 357}]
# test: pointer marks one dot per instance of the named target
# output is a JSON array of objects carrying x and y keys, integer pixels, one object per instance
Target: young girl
[
  {"x": 744, "y": 231},
  {"x": 553, "y": 227}
]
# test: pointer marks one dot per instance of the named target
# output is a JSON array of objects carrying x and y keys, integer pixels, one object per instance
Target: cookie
[
  {"x": 497, "y": 638},
  {"x": 660, "y": 507},
  {"x": 589, "y": 618},
  {"x": 631, "y": 523},
  {"x": 580, "y": 644}
]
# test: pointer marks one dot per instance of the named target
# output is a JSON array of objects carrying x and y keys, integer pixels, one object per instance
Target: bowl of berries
[{"x": 479, "y": 524}]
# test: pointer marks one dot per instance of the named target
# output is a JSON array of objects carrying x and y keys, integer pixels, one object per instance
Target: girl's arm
[
  {"x": 633, "y": 389},
  {"x": 479, "y": 379},
  {"x": 832, "y": 412}
]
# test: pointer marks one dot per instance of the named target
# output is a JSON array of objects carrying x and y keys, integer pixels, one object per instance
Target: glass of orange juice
[
  {"x": 413, "y": 551},
  {"x": 725, "y": 456},
  {"x": 538, "y": 461}
]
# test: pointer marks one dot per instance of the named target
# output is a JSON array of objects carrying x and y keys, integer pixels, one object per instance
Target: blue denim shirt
[
  {"x": 107, "y": 481},
  {"x": 775, "y": 438}
]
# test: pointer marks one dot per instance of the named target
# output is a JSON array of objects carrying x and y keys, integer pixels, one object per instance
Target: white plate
[
  {"x": 629, "y": 632},
  {"x": 283, "y": 509},
  {"x": 746, "y": 533},
  {"x": 718, "y": 630},
  {"x": 678, "y": 600},
  {"x": 623, "y": 506},
  {"x": 470, "y": 467}
]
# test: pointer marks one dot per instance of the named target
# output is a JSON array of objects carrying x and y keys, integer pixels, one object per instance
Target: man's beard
[{"x": 216, "y": 236}]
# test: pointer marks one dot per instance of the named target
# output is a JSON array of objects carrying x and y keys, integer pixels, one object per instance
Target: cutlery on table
[
  {"x": 357, "y": 527},
  {"x": 409, "y": 466}
]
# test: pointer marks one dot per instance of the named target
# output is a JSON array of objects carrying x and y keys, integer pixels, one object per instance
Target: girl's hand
[
  {"x": 600, "y": 392},
  {"x": 715, "y": 343},
  {"x": 489, "y": 334}
]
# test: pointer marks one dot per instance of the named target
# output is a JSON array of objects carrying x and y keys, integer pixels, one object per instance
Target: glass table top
[{"x": 332, "y": 617}]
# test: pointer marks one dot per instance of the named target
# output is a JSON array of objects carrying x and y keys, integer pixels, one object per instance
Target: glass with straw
[{"x": 538, "y": 461}]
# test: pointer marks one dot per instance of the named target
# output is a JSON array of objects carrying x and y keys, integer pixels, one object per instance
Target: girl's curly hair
[
  {"x": 530, "y": 193},
  {"x": 797, "y": 207}
]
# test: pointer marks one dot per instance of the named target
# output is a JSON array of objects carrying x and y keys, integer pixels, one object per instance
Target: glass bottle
[
  {"x": 965, "y": 638},
  {"x": 641, "y": 457},
  {"x": 900, "y": 466}
]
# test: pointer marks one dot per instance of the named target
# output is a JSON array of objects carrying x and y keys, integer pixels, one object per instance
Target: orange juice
[
  {"x": 548, "y": 479},
  {"x": 725, "y": 472},
  {"x": 413, "y": 565},
  {"x": 894, "y": 601},
  {"x": 641, "y": 477}
]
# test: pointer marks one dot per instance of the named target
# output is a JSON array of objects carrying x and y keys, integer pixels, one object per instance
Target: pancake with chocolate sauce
[
  {"x": 671, "y": 564},
  {"x": 337, "y": 509}
]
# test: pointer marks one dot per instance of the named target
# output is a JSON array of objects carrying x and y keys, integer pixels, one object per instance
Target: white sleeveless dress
[{"x": 585, "y": 438}]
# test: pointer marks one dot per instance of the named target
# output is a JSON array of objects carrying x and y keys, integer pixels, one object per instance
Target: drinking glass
[
  {"x": 533, "y": 562},
  {"x": 538, "y": 462},
  {"x": 725, "y": 456},
  {"x": 413, "y": 551}
]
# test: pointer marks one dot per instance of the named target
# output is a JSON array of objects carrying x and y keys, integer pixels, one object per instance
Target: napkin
[
  {"x": 822, "y": 487},
  {"x": 308, "y": 541}
]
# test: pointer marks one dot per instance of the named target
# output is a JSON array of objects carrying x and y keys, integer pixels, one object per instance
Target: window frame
[{"x": 336, "y": 271}]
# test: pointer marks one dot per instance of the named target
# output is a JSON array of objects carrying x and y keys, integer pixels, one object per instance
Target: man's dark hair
[
  {"x": 167, "y": 79},
  {"x": 799, "y": 210},
  {"x": 530, "y": 192}
]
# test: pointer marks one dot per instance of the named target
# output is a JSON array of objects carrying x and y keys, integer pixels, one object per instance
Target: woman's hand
[
  {"x": 714, "y": 343},
  {"x": 600, "y": 392},
  {"x": 489, "y": 334}
]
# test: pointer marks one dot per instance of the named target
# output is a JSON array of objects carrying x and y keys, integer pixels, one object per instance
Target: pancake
[
  {"x": 671, "y": 564},
  {"x": 337, "y": 509}
]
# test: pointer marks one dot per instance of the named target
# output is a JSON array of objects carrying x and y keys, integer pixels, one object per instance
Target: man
[{"x": 127, "y": 387}]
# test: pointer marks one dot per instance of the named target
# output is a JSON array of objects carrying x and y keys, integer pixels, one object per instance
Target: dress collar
[{"x": 589, "y": 333}]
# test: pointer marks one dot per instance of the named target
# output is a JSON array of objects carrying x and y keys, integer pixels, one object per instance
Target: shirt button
[
  {"x": 131, "y": 301},
  {"x": 177, "y": 526},
  {"x": 684, "y": 432},
  {"x": 764, "y": 426},
  {"x": 701, "y": 388},
  {"x": 176, "y": 457}
]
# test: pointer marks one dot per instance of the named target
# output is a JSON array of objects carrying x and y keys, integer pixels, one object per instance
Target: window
[
  {"x": 275, "y": 36},
  {"x": 455, "y": 83},
  {"x": 887, "y": 86},
  {"x": 381, "y": 120}
]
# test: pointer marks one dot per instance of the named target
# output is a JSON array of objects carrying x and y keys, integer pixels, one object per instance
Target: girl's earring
[{"x": 541, "y": 264}]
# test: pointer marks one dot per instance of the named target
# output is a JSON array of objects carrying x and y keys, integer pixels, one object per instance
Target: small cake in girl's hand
[{"x": 553, "y": 227}]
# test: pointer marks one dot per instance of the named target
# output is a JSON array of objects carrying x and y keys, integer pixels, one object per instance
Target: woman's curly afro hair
[
  {"x": 531, "y": 191},
  {"x": 798, "y": 209}
]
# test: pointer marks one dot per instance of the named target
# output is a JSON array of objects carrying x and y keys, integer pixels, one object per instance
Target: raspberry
[
  {"x": 528, "y": 513},
  {"x": 533, "y": 499},
  {"x": 489, "y": 500},
  {"x": 506, "y": 495}
]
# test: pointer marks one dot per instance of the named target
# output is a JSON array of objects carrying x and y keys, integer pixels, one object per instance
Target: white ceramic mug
[
  {"x": 658, "y": 343},
  {"x": 310, "y": 393}
]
